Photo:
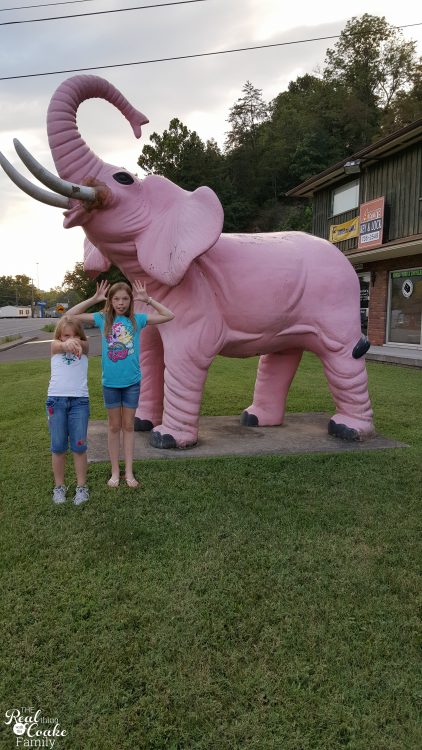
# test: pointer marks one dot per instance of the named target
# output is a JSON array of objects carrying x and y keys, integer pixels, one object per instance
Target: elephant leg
[
  {"x": 150, "y": 407},
  {"x": 275, "y": 373},
  {"x": 348, "y": 383},
  {"x": 183, "y": 386}
]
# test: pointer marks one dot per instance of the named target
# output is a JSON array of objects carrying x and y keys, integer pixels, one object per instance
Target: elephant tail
[{"x": 361, "y": 347}]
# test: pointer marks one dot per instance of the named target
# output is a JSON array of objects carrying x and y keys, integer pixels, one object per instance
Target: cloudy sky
[{"x": 199, "y": 91}]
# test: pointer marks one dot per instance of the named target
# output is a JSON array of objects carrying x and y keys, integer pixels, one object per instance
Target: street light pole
[
  {"x": 38, "y": 278},
  {"x": 32, "y": 298}
]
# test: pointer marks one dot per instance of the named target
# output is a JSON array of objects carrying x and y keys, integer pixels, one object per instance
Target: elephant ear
[
  {"x": 94, "y": 261},
  {"x": 181, "y": 226}
]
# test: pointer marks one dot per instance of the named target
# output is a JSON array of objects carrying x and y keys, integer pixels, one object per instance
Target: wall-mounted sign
[
  {"x": 405, "y": 274},
  {"x": 371, "y": 223},
  {"x": 341, "y": 232},
  {"x": 407, "y": 288}
]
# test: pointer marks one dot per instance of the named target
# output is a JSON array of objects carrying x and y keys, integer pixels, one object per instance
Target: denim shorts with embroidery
[{"x": 68, "y": 423}]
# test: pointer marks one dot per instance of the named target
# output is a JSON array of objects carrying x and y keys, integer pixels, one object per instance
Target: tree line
[{"x": 369, "y": 86}]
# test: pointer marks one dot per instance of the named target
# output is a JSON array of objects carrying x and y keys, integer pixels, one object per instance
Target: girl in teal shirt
[{"x": 121, "y": 328}]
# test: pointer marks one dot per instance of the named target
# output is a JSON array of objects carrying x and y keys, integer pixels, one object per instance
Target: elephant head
[{"x": 152, "y": 223}]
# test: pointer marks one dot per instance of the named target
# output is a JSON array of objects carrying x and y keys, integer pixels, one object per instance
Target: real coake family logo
[{"x": 32, "y": 729}]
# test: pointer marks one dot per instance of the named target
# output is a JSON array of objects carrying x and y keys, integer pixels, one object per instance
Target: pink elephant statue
[{"x": 238, "y": 295}]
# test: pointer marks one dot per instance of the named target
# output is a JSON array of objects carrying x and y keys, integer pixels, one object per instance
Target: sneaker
[
  {"x": 81, "y": 495},
  {"x": 59, "y": 494}
]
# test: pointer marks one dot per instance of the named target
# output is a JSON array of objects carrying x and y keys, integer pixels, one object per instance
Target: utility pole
[{"x": 32, "y": 298}]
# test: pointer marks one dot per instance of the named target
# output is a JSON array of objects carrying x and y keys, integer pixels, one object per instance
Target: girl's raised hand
[
  {"x": 102, "y": 291},
  {"x": 73, "y": 346},
  {"x": 139, "y": 291}
]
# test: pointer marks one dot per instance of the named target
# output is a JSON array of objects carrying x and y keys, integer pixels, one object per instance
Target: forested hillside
[{"x": 369, "y": 86}]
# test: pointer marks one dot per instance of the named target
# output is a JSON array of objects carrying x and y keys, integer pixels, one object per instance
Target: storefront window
[{"x": 405, "y": 319}]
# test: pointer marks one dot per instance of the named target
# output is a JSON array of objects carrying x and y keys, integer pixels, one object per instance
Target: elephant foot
[
  {"x": 248, "y": 420},
  {"x": 350, "y": 429},
  {"x": 143, "y": 425},
  {"x": 161, "y": 438},
  {"x": 157, "y": 440},
  {"x": 342, "y": 431},
  {"x": 253, "y": 417}
]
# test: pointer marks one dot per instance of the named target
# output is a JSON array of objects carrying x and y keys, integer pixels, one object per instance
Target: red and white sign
[{"x": 371, "y": 224}]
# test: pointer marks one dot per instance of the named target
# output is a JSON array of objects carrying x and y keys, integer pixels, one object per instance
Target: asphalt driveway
[{"x": 40, "y": 347}]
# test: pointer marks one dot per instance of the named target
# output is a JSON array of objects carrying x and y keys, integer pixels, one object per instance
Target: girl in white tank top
[{"x": 68, "y": 406}]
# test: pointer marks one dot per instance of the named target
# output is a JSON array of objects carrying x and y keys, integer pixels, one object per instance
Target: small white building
[{"x": 12, "y": 311}]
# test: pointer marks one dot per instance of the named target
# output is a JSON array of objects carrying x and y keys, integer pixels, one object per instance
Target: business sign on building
[
  {"x": 371, "y": 224},
  {"x": 341, "y": 232}
]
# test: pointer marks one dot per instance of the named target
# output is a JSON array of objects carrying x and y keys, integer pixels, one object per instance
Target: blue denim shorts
[
  {"x": 68, "y": 423},
  {"x": 117, "y": 397}
]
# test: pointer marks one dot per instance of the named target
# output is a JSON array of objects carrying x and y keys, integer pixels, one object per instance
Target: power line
[
  {"x": 101, "y": 12},
  {"x": 165, "y": 59},
  {"x": 45, "y": 5},
  {"x": 182, "y": 57}
]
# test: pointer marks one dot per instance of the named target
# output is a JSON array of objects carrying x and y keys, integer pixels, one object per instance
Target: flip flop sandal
[
  {"x": 113, "y": 482},
  {"x": 132, "y": 483}
]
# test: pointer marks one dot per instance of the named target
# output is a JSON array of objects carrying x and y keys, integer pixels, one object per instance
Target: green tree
[
  {"x": 369, "y": 67},
  {"x": 370, "y": 85},
  {"x": 54, "y": 296},
  {"x": 245, "y": 118},
  {"x": 177, "y": 154},
  {"x": 303, "y": 135},
  {"x": 180, "y": 155},
  {"x": 80, "y": 286},
  {"x": 17, "y": 290},
  {"x": 79, "y": 282},
  {"x": 406, "y": 106},
  {"x": 243, "y": 155}
]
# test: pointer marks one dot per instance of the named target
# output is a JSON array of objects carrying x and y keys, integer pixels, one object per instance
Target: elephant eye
[{"x": 124, "y": 178}]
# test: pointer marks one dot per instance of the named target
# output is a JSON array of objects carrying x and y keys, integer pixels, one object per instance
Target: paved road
[
  {"x": 41, "y": 348},
  {"x": 11, "y": 326}
]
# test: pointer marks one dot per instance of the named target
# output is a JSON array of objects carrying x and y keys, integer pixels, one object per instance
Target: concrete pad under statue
[{"x": 225, "y": 436}]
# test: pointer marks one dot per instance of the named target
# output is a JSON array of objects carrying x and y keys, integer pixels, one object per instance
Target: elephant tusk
[
  {"x": 52, "y": 199},
  {"x": 51, "y": 180}
]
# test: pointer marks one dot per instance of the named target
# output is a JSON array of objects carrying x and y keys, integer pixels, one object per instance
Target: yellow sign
[
  {"x": 60, "y": 308},
  {"x": 341, "y": 232}
]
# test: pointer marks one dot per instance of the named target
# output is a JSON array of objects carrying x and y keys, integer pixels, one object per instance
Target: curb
[
  {"x": 389, "y": 359},
  {"x": 18, "y": 342}
]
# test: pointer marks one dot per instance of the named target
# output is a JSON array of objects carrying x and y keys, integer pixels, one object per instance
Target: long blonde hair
[
  {"x": 109, "y": 313},
  {"x": 77, "y": 327}
]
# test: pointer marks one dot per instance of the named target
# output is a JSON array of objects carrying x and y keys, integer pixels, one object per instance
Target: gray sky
[{"x": 199, "y": 91}]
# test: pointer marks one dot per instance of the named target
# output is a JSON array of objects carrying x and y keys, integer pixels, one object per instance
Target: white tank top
[{"x": 69, "y": 375}]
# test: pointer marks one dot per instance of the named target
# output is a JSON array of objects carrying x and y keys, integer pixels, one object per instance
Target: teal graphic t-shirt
[{"x": 120, "y": 350}]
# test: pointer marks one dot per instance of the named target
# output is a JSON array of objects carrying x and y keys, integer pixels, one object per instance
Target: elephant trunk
[{"x": 74, "y": 160}]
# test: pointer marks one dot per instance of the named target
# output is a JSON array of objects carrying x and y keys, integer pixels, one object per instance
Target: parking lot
[{"x": 40, "y": 347}]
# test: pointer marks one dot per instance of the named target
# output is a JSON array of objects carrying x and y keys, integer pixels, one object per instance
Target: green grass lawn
[{"x": 265, "y": 603}]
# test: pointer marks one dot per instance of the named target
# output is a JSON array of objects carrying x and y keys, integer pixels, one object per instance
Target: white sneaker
[
  {"x": 59, "y": 494},
  {"x": 81, "y": 495}
]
